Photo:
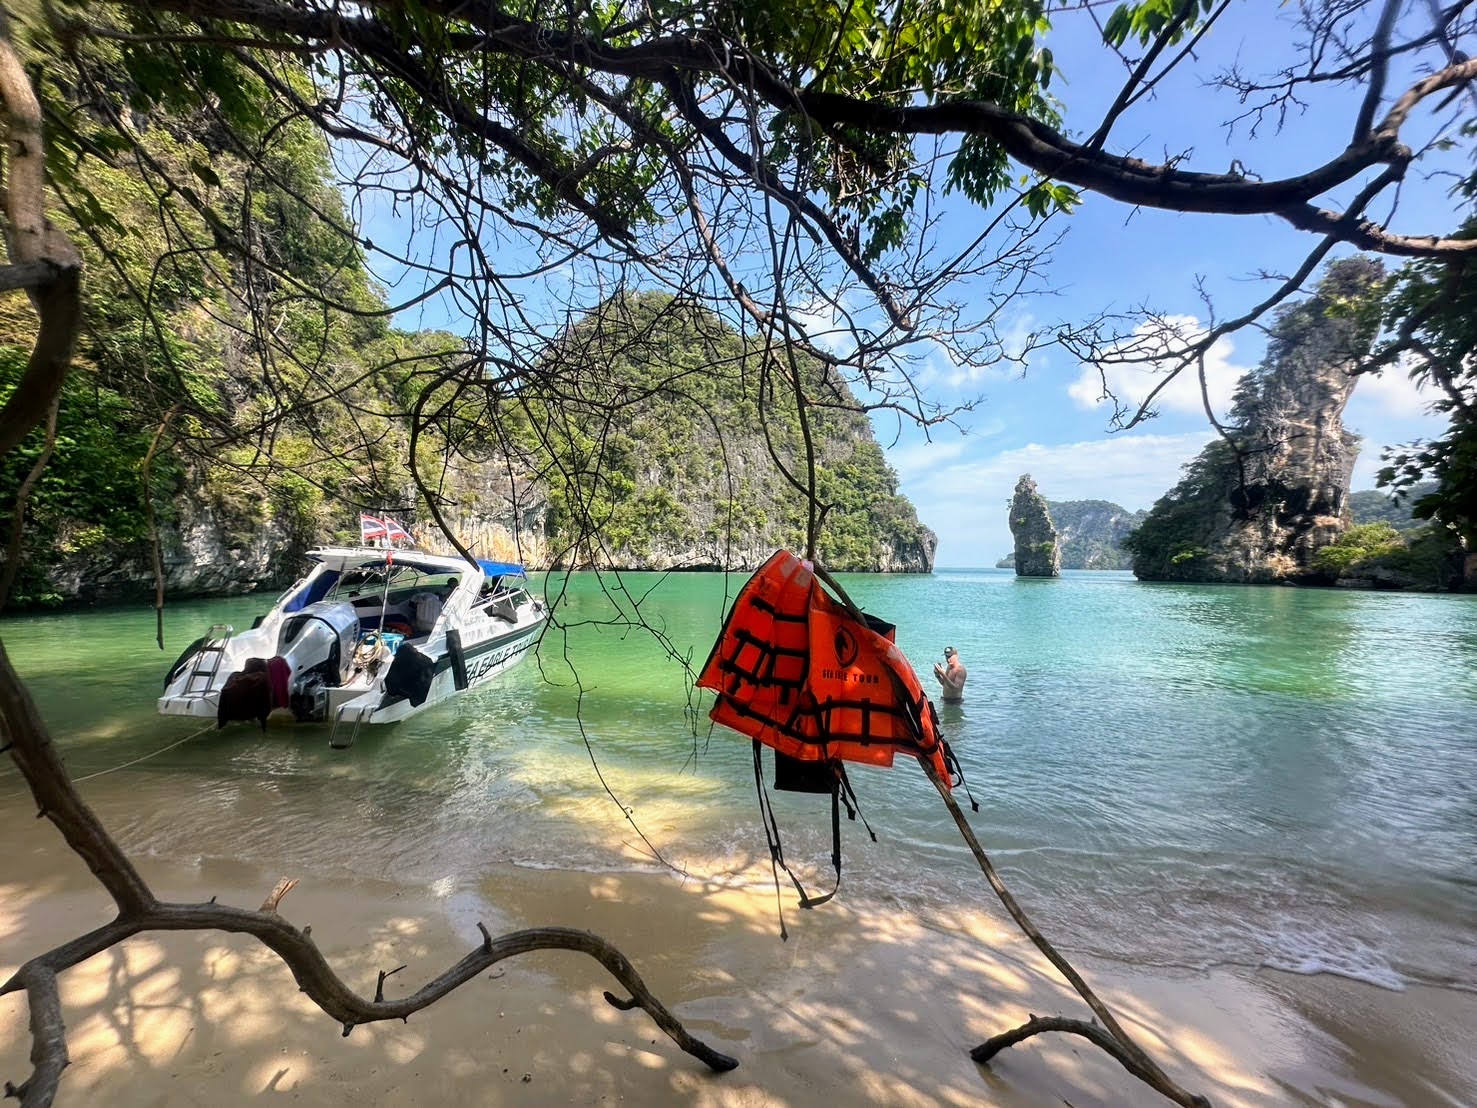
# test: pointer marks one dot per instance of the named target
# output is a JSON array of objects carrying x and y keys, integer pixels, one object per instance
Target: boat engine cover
[{"x": 321, "y": 632}]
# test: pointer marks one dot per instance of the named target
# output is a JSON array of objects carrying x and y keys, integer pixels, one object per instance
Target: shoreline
[
  {"x": 866, "y": 1003},
  {"x": 144, "y": 605}
]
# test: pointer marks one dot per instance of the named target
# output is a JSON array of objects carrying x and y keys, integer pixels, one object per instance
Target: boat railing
[
  {"x": 361, "y": 713},
  {"x": 504, "y": 601}
]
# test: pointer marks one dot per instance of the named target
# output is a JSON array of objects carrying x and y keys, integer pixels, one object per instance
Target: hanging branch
[{"x": 155, "y": 548}]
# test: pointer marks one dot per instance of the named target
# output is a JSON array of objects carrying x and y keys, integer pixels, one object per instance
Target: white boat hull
[
  {"x": 323, "y": 643},
  {"x": 483, "y": 663}
]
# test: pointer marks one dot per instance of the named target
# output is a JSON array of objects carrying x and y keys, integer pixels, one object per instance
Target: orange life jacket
[{"x": 798, "y": 672}]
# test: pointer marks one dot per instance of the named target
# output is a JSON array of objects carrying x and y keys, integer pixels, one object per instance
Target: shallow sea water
[{"x": 1170, "y": 775}]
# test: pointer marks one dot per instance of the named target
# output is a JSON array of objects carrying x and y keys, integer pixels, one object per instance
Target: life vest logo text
[{"x": 849, "y": 677}]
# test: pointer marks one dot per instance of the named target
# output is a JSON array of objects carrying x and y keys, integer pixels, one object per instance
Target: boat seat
[{"x": 504, "y": 609}]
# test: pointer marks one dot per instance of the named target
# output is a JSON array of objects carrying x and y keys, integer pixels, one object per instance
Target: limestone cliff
[
  {"x": 1258, "y": 504},
  {"x": 680, "y": 475},
  {"x": 1037, "y": 553},
  {"x": 670, "y": 455}
]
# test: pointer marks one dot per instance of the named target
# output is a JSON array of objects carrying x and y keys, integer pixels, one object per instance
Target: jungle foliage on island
[
  {"x": 169, "y": 350},
  {"x": 1378, "y": 555},
  {"x": 669, "y": 448}
]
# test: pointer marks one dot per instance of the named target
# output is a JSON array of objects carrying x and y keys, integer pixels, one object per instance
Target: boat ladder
[
  {"x": 206, "y": 665},
  {"x": 360, "y": 715}
]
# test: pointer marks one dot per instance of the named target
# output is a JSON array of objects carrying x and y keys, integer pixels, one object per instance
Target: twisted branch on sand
[
  {"x": 30, "y": 746},
  {"x": 1115, "y": 1040}
]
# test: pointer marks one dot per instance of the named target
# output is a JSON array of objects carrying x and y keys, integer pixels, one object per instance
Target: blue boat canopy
[{"x": 501, "y": 569}]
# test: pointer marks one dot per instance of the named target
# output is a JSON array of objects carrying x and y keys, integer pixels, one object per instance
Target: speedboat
[{"x": 371, "y": 635}]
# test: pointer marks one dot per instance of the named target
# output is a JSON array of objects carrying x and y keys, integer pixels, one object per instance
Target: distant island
[{"x": 1088, "y": 534}]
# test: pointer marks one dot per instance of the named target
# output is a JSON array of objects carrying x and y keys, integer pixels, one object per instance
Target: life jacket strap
[
  {"x": 776, "y": 847},
  {"x": 956, "y": 773},
  {"x": 848, "y": 797}
]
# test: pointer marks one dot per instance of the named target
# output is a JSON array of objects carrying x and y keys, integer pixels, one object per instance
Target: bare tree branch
[{"x": 48, "y": 1039}]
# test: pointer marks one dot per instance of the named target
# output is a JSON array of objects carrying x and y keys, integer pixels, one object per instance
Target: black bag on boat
[{"x": 410, "y": 675}]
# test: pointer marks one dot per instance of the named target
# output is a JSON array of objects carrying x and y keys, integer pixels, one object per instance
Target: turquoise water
[{"x": 1174, "y": 775}]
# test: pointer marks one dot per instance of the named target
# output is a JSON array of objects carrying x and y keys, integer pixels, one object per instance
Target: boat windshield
[
  {"x": 502, "y": 595},
  {"x": 356, "y": 583}
]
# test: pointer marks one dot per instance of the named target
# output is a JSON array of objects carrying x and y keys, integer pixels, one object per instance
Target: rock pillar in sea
[
  {"x": 1260, "y": 501},
  {"x": 1036, "y": 551}
]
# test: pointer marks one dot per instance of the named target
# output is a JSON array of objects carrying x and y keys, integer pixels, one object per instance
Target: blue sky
[{"x": 1046, "y": 422}]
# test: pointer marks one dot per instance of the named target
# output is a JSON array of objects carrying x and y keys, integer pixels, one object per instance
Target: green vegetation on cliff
[
  {"x": 661, "y": 455},
  {"x": 1178, "y": 527},
  {"x": 279, "y": 418},
  {"x": 1379, "y": 556},
  {"x": 1431, "y": 326},
  {"x": 1373, "y": 506},
  {"x": 281, "y": 394}
]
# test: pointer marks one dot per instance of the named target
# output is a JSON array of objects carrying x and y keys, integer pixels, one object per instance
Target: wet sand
[{"x": 865, "y": 1004}]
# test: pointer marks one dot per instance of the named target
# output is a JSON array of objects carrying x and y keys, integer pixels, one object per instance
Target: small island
[{"x": 1036, "y": 551}]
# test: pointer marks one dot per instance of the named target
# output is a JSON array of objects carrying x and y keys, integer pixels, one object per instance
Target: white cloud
[
  {"x": 919, "y": 458},
  {"x": 965, "y": 502},
  {"x": 1159, "y": 342},
  {"x": 1391, "y": 394}
]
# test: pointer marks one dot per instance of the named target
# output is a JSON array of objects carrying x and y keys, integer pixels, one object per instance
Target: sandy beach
[{"x": 865, "y": 1004}]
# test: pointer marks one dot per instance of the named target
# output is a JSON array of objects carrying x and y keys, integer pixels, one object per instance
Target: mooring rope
[
  {"x": 146, "y": 757},
  {"x": 132, "y": 762}
]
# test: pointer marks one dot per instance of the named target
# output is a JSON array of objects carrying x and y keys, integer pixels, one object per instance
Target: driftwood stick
[
  {"x": 1143, "y": 1066},
  {"x": 1090, "y": 1031},
  {"x": 379, "y": 986},
  {"x": 284, "y": 886},
  {"x": 48, "y": 1041}
]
